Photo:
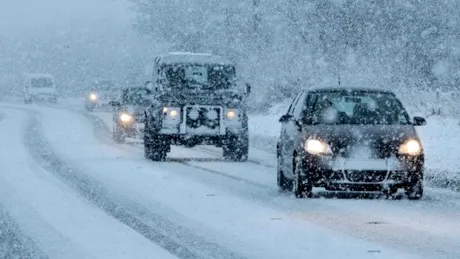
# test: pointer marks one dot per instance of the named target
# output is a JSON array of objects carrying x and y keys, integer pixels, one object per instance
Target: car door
[
  {"x": 284, "y": 135},
  {"x": 295, "y": 133},
  {"x": 289, "y": 131}
]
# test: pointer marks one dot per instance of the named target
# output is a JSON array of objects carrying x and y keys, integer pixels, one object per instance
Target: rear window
[{"x": 41, "y": 82}]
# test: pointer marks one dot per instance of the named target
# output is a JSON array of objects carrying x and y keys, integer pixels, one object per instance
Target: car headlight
[
  {"x": 231, "y": 114},
  {"x": 317, "y": 147},
  {"x": 124, "y": 117},
  {"x": 411, "y": 147},
  {"x": 171, "y": 113},
  {"x": 93, "y": 97}
]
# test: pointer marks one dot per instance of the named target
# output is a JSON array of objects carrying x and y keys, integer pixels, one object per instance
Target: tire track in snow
[
  {"x": 174, "y": 238},
  {"x": 13, "y": 242}
]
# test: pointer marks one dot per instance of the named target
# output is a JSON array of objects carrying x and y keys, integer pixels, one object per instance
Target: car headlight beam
[
  {"x": 124, "y": 117},
  {"x": 231, "y": 114},
  {"x": 171, "y": 113},
  {"x": 93, "y": 97},
  {"x": 411, "y": 147},
  {"x": 317, "y": 147}
]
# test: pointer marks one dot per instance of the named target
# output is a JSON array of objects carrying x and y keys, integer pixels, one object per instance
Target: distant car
[
  {"x": 40, "y": 87},
  {"x": 128, "y": 116},
  {"x": 353, "y": 139},
  {"x": 101, "y": 93}
]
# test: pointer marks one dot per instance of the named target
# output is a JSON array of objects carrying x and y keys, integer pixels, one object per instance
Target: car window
[
  {"x": 358, "y": 108},
  {"x": 135, "y": 96},
  {"x": 291, "y": 107},
  {"x": 299, "y": 106}
]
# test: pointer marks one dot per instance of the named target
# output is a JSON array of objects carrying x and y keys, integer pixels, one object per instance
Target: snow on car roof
[
  {"x": 190, "y": 57},
  {"x": 350, "y": 88}
]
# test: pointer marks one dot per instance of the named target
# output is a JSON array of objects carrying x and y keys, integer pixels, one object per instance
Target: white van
[{"x": 40, "y": 87}]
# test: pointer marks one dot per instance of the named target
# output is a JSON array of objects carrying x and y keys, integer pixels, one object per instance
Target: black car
[
  {"x": 128, "y": 113},
  {"x": 349, "y": 139}
]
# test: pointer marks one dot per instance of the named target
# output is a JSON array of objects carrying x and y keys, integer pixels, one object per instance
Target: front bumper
[
  {"x": 202, "y": 126},
  {"x": 362, "y": 174}
]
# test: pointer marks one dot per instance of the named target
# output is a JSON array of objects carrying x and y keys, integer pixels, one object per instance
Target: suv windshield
[
  {"x": 204, "y": 77},
  {"x": 358, "y": 108},
  {"x": 42, "y": 82}
]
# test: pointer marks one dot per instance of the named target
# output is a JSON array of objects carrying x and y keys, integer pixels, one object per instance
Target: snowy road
[{"x": 68, "y": 191}]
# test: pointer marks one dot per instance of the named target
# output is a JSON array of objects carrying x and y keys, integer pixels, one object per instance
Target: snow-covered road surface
[
  {"x": 75, "y": 193},
  {"x": 61, "y": 223}
]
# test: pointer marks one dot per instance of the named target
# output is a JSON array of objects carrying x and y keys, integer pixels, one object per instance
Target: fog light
[
  {"x": 212, "y": 115},
  {"x": 193, "y": 114}
]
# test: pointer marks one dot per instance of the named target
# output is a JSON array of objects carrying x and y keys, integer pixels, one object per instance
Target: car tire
[
  {"x": 236, "y": 149},
  {"x": 118, "y": 135},
  {"x": 89, "y": 108},
  {"x": 284, "y": 184},
  {"x": 302, "y": 185},
  {"x": 414, "y": 190},
  {"x": 155, "y": 146}
]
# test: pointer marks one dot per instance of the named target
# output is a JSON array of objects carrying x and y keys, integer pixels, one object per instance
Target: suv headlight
[
  {"x": 231, "y": 114},
  {"x": 317, "y": 147},
  {"x": 92, "y": 97},
  {"x": 171, "y": 113},
  {"x": 411, "y": 147}
]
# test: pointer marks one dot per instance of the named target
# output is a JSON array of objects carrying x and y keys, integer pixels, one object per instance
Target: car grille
[
  {"x": 365, "y": 176},
  {"x": 197, "y": 117}
]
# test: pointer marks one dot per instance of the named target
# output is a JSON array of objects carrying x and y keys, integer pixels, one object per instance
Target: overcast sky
[{"x": 18, "y": 16}]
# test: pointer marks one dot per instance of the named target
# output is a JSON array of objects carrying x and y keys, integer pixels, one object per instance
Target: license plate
[{"x": 365, "y": 164}]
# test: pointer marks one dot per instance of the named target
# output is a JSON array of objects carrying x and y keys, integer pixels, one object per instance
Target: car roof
[
  {"x": 191, "y": 57},
  {"x": 349, "y": 88}
]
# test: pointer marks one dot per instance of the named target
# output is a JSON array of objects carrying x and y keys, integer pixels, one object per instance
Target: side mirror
[
  {"x": 285, "y": 118},
  {"x": 248, "y": 88},
  {"x": 419, "y": 121},
  {"x": 115, "y": 103}
]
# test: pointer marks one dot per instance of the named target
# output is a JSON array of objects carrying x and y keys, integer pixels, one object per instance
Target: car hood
[{"x": 370, "y": 141}]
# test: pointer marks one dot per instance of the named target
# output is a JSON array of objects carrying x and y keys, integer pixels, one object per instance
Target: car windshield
[
  {"x": 135, "y": 96},
  {"x": 205, "y": 77},
  {"x": 357, "y": 108},
  {"x": 41, "y": 82}
]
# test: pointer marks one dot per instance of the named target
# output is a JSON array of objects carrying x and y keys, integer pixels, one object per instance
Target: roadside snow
[{"x": 61, "y": 222}]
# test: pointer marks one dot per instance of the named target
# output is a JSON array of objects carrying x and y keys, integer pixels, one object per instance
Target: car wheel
[
  {"x": 414, "y": 190},
  {"x": 284, "y": 184},
  {"x": 236, "y": 149},
  {"x": 118, "y": 135},
  {"x": 155, "y": 148},
  {"x": 302, "y": 185}
]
